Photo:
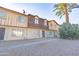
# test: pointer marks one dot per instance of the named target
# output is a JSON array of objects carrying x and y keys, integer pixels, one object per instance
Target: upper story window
[
  {"x": 45, "y": 22},
  {"x": 2, "y": 15},
  {"x": 21, "y": 19},
  {"x": 36, "y": 20}
]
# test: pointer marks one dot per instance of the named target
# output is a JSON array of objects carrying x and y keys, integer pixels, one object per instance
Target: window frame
[
  {"x": 45, "y": 22},
  {"x": 36, "y": 21},
  {"x": 21, "y": 19},
  {"x": 4, "y": 16}
]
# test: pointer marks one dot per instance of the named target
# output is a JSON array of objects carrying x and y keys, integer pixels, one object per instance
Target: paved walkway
[{"x": 40, "y": 47}]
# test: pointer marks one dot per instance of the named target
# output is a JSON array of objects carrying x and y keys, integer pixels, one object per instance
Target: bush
[{"x": 69, "y": 31}]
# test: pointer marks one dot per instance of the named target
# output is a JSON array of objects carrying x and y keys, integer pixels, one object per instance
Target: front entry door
[
  {"x": 43, "y": 33},
  {"x": 2, "y": 32}
]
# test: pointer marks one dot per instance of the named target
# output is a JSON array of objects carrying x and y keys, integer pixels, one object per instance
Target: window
[
  {"x": 21, "y": 19},
  {"x": 50, "y": 33},
  {"x": 45, "y": 22},
  {"x": 36, "y": 20},
  {"x": 2, "y": 15}
]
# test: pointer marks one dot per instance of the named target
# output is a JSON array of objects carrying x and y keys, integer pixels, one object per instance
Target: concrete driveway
[{"x": 40, "y": 47}]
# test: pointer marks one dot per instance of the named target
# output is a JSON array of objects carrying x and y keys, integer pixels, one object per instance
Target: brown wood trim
[
  {"x": 27, "y": 27},
  {"x": 13, "y": 26}
]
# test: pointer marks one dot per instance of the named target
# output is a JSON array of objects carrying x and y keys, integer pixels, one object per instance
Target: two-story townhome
[
  {"x": 13, "y": 25},
  {"x": 37, "y": 26},
  {"x": 53, "y": 28}
]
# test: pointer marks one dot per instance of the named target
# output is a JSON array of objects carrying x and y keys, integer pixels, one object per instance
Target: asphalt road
[{"x": 40, "y": 47}]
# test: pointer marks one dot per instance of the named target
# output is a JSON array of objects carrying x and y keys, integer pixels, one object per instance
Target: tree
[
  {"x": 69, "y": 31},
  {"x": 63, "y": 9}
]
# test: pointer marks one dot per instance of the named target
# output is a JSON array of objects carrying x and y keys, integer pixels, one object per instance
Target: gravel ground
[{"x": 39, "y": 47}]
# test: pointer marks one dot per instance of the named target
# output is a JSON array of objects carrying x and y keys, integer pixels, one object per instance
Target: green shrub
[{"x": 69, "y": 31}]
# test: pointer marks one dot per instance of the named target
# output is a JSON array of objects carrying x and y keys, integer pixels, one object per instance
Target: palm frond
[
  {"x": 61, "y": 15},
  {"x": 55, "y": 9},
  {"x": 60, "y": 8}
]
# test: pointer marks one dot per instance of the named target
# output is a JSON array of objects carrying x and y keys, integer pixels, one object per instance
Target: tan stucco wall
[
  {"x": 34, "y": 33},
  {"x": 28, "y": 33},
  {"x": 9, "y": 34}
]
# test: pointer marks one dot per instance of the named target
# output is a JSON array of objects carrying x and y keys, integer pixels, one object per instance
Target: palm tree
[{"x": 63, "y": 9}]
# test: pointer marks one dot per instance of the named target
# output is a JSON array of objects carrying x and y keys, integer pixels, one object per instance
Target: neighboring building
[
  {"x": 53, "y": 28},
  {"x": 16, "y": 26}
]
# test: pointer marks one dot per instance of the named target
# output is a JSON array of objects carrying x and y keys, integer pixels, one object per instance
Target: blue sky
[{"x": 43, "y": 10}]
